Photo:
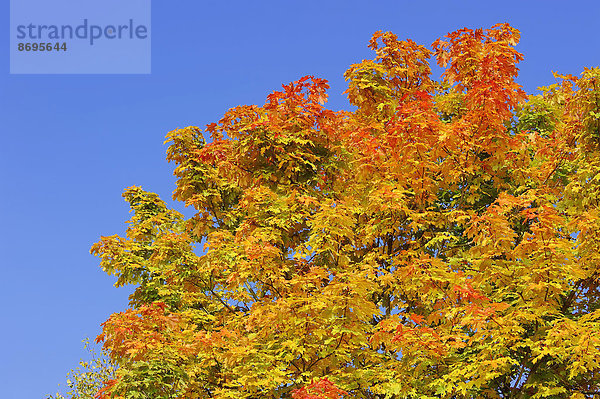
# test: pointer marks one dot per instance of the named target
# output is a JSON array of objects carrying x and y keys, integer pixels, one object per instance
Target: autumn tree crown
[{"x": 438, "y": 241}]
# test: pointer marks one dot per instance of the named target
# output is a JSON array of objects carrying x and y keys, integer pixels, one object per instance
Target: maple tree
[{"x": 439, "y": 241}]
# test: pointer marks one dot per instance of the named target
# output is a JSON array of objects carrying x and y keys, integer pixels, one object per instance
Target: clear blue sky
[{"x": 71, "y": 144}]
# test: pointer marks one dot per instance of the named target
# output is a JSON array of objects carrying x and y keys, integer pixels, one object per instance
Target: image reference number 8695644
[{"x": 42, "y": 46}]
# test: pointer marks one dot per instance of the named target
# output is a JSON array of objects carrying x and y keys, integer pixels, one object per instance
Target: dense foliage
[{"x": 439, "y": 241}]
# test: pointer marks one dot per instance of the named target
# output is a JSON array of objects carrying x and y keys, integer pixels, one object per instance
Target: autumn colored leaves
[{"x": 438, "y": 241}]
